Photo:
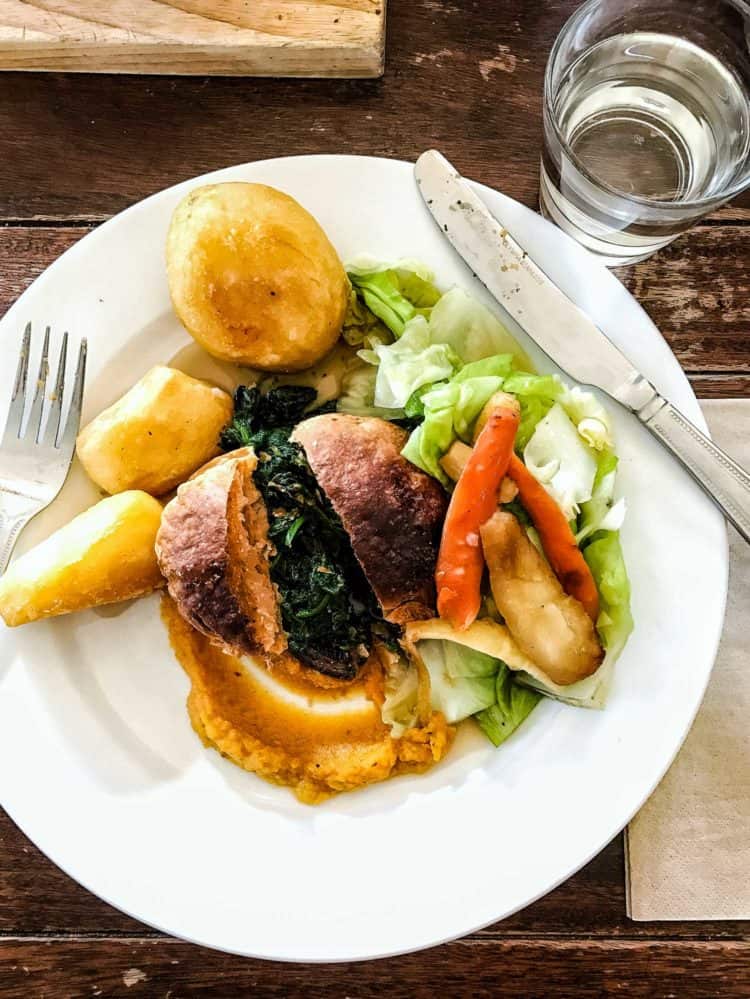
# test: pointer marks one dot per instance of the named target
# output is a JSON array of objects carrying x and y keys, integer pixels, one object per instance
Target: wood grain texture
[
  {"x": 337, "y": 38},
  {"x": 464, "y": 75},
  {"x": 697, "y": 291},
  {"x": 724, "y": 386},
  {"x": 38, "y": 900},
  {"x": 483, "y": 969}
]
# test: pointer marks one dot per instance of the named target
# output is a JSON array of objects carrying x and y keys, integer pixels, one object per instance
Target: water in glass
[{"x": 645, "y": 117}]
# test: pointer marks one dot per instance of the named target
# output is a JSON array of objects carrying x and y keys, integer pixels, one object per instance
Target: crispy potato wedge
[
  {"x": 161, "y": 430},
  {"x": 103, "y": 555}
]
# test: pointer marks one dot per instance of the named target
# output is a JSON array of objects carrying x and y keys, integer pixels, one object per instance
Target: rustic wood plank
[
  {"x": 519, "y": 969},
  {"x": 26, "y": 252},
  {"x": 721, "y": 386},
  {"x": 337, "y": 38},
  {"x": 697, "y": 291},
  {"x": 465, "y": 76},
  {"x": 37, "y": 899},
  {"x": 737, "y": 210}
]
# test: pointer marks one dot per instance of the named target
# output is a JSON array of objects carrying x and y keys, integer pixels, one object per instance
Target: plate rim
[{"x": 618, "y": 826}]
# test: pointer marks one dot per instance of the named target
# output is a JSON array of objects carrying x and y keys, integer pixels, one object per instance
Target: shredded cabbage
[
  {"x": 450, "y": 411},
  {"x": 513, "y": 704},
  {"x": 536, "y": 394},
  {"x": 409, "y": 363},
  {"x": 601, "y": 512},
  {"x": 466, "y": 679},
  {"x": 438, "y": 338},
  {"x": 471, "y": 329},
  {"x": 362, "y": 328},
  {"x": 592, "y": 420},
  {"x": 399, "y": 709},
  {"x": 497, "y": 366},
  {"x": 615, "y": 622},
  {"x": 461, "y": 661},
  {"x": 395, "y": 294},
  {"x": 358, "y": 392},
  {"x": 557, "y": 456},
  {"x": 460, "y": 696}
]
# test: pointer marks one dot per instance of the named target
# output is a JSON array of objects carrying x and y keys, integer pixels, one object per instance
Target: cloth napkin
[{"x": 688, "y": 849}]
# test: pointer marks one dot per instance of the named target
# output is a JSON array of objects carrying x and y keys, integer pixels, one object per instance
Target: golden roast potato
[
  {"x": 103, "y": 555},
  {"x": 156, "y": 435},
  {"x": 254, "y": 278}
]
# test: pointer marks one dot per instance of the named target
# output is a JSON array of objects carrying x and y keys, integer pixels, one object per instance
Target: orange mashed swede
[{"x": 286, "y": 728}]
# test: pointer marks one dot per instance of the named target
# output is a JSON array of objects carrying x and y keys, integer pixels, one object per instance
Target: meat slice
[
  {"x": 392, "y": 511},
  {"x": 552, "y": 628}
]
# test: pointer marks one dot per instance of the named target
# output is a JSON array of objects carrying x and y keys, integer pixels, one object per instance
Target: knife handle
[{"x": 721, "y": 478}]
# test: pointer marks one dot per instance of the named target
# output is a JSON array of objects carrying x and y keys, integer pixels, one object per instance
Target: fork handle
[
  {"x": 725, "y": 482},
  {"x": 15, "y": 513}
]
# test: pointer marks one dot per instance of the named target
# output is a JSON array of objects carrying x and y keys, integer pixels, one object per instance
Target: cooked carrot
[
  {"x": 557, "y": 539},
  {"x": 460, "y": 563}
]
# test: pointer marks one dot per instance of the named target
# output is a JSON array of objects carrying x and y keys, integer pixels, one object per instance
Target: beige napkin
[{"x": 688, "y": 849}]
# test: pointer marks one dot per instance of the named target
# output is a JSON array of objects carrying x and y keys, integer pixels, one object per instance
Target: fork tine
[
  {"x": 15, "y": 411},
  {"x": 68, "y": 439},
  {"x": 52, "y": 426},
  {"x": 34, "y": 424}
]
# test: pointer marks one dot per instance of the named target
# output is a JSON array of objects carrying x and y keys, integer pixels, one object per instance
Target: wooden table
[{"x": 466, "y": 76}]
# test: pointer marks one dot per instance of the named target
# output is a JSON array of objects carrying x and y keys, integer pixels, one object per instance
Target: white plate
[{"x": 103, "y": 772}]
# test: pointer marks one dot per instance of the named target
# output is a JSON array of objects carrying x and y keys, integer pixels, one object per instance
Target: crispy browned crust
[
  {"x": 549, "y": 626},
  {"x": 213, "y": 549},
  {"x": 392, "y": 511}
]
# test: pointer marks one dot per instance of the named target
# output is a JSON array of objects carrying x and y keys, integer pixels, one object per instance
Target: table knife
[{"x": 570, "y": 337}]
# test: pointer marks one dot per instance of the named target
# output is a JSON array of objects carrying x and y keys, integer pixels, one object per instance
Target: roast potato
[
  {"x": 253, "y": 277},
  {"x": 103, "y": 555},
  {"x": 549, "y": 626},
  {"x": 156, "y": 435}
]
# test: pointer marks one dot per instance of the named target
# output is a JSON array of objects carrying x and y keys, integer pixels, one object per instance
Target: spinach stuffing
[{"x": 328, "y": 610}]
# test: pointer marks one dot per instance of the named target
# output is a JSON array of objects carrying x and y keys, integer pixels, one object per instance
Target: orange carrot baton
[
  {"x": 460, "y": 563},
  {"x": 556, "y": 536}
]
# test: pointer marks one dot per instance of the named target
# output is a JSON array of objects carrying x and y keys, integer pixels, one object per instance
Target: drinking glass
[{"x": 646, "y": 121}]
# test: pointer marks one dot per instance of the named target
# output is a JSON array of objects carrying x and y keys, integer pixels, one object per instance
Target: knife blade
[
  {"x": 568, "y": 335},
  {"x": 563, "y": 331}
]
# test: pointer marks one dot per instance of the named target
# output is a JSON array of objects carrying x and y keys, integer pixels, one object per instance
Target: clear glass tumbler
[{"x": 646, "y": 121}]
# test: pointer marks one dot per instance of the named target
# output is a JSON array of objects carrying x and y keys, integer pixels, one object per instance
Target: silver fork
[{"x": 35, "y": 458}]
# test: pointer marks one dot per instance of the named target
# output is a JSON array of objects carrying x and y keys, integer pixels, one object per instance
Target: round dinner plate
[{"x": 103, "y": 771}]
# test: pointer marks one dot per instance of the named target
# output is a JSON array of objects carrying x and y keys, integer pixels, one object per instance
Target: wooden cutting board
[{"x": 219, "y": 37}]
